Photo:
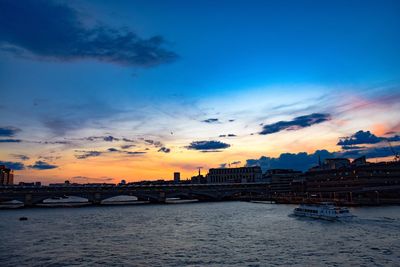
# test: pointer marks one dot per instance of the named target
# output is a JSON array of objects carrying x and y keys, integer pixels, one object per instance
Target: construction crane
[{"x": 396, "y": 155}]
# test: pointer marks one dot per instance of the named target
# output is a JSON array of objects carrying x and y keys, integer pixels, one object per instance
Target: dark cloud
[
  {"x": 227, "y": 135},
  {"x": 127, "y": 146},
  {"x": 231, "y": 120},
  {"x": 88, "y": 154},
  {"x": 359, "y": 138},
  {"x": 13, "y": 165},
  {"x": 164, "y": 149},
  {"x": 364, "y": 138},
  {"x": 211, "y": 120},
  {"x": 154, "y": 143},
  {"x": 55, "y": 142},
  {"x": 10, "y": 140},
  {"x": 295, "y": 124},
  {"x": 8, "y": 131},
  {"x": 370, "y": 152},
  {"x": 395, "y": 138},
  {"x": 54, "y": 31},
  {"x": 85, "y": 178},
  {"x": 128, "y": 140},
  {"x": 301, "y": 161},
  {"x": 135, "y": 152},
  {"x": 20, "y": 156},
  {"x": 107, "y": 138},
  {"x": 351, "y": 147},
  {"x": 41, "y": 165},
  {"x": 236, "y": 162},
  {"x": 208, "y": 146}
]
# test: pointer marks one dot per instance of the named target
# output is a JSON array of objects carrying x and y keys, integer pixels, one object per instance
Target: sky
[{"x": 100, "y": 91}]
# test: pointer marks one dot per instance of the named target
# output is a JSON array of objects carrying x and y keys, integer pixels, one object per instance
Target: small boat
[{"x": 324, "y": 210}]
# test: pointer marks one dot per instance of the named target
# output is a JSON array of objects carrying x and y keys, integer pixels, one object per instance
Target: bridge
[{"x": 31, "y": 195}]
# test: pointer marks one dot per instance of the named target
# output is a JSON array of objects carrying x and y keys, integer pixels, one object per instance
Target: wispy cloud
[{"x": 20, "y": 156}]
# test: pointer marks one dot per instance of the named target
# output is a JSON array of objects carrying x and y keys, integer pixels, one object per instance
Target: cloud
[
  {"x": 20, "y": 156},
  {"x": 127, "y": 146},
  {"x": 53, "y": 31},
  {"x": 13, "y": 165},
  {"x": 352, "y": 147},
  {"x": 211, "y": 120},
  {"x": 301, "y": 161},
  {"x": 41, "y": 165},
  {"x": 88, "y": 154},
  {"x": 135, "y": 152},
  {"x": 295, "y": 124},
  {"x": 358, "y": 138},
  {"x": 107, "y": 138},
  {"x": 227, "y": 135},
  {"x": 370, "y": 152},
  {"x": 164, "y": 149},
  {"x": 128, "y": 140},
  {"x": 364, "y": 138},
  {"x": 104, "y": 179},
  {"x": 154, "y": 143},
  {"x": 10, "y": 140},
  {"x": 8, "y": 131},
  {"x": 207, "y": 146},
  {"x": 395, "y": 138},
  {"x": 236, "y": 162}
]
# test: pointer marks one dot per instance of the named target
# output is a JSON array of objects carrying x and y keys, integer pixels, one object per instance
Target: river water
[{"x": 197, "y": 234}]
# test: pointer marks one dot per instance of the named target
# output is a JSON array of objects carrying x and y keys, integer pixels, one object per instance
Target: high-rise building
[
  {"x": 177, "y": 177},
  {"x": 6, "y": 176}
]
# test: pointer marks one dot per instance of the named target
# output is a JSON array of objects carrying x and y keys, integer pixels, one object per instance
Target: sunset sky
[{"x": 99, "y": 91}]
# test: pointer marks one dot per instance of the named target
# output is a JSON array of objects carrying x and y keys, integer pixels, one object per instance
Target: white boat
[{"x": 324, "y": 210}]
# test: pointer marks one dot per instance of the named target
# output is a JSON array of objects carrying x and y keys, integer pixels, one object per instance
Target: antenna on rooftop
[
  {"x": 199, "y": 170},
  {"x": 396, "y": 155}
]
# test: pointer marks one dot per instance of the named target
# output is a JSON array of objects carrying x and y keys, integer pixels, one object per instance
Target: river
[{"x": 197, "y": 234}]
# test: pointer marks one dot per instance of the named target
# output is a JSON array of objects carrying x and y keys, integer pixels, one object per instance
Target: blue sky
[{"x": 157, "y": 70}]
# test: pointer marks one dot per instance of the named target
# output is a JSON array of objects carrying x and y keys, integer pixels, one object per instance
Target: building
[
  {"x": 281, "y": 179},
  {"x": 235, "y": 175},
  {"x": 198, "y": 179},
  {"x": 355, "y": 177},
  {"x": 177, "y": 177},
  {"x": 6, "y": 176}
]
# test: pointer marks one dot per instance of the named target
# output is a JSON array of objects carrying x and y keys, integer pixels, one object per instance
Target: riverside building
[
  {"x": 6, "y": 176},
  {"x": 235, "y": 175}
]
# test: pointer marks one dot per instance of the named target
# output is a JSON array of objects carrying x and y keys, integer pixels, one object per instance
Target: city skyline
[{"x": 97, "y": 91}]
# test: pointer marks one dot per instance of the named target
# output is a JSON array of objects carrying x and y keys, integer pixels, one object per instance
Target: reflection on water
[{"x": 197, "y": 234}]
